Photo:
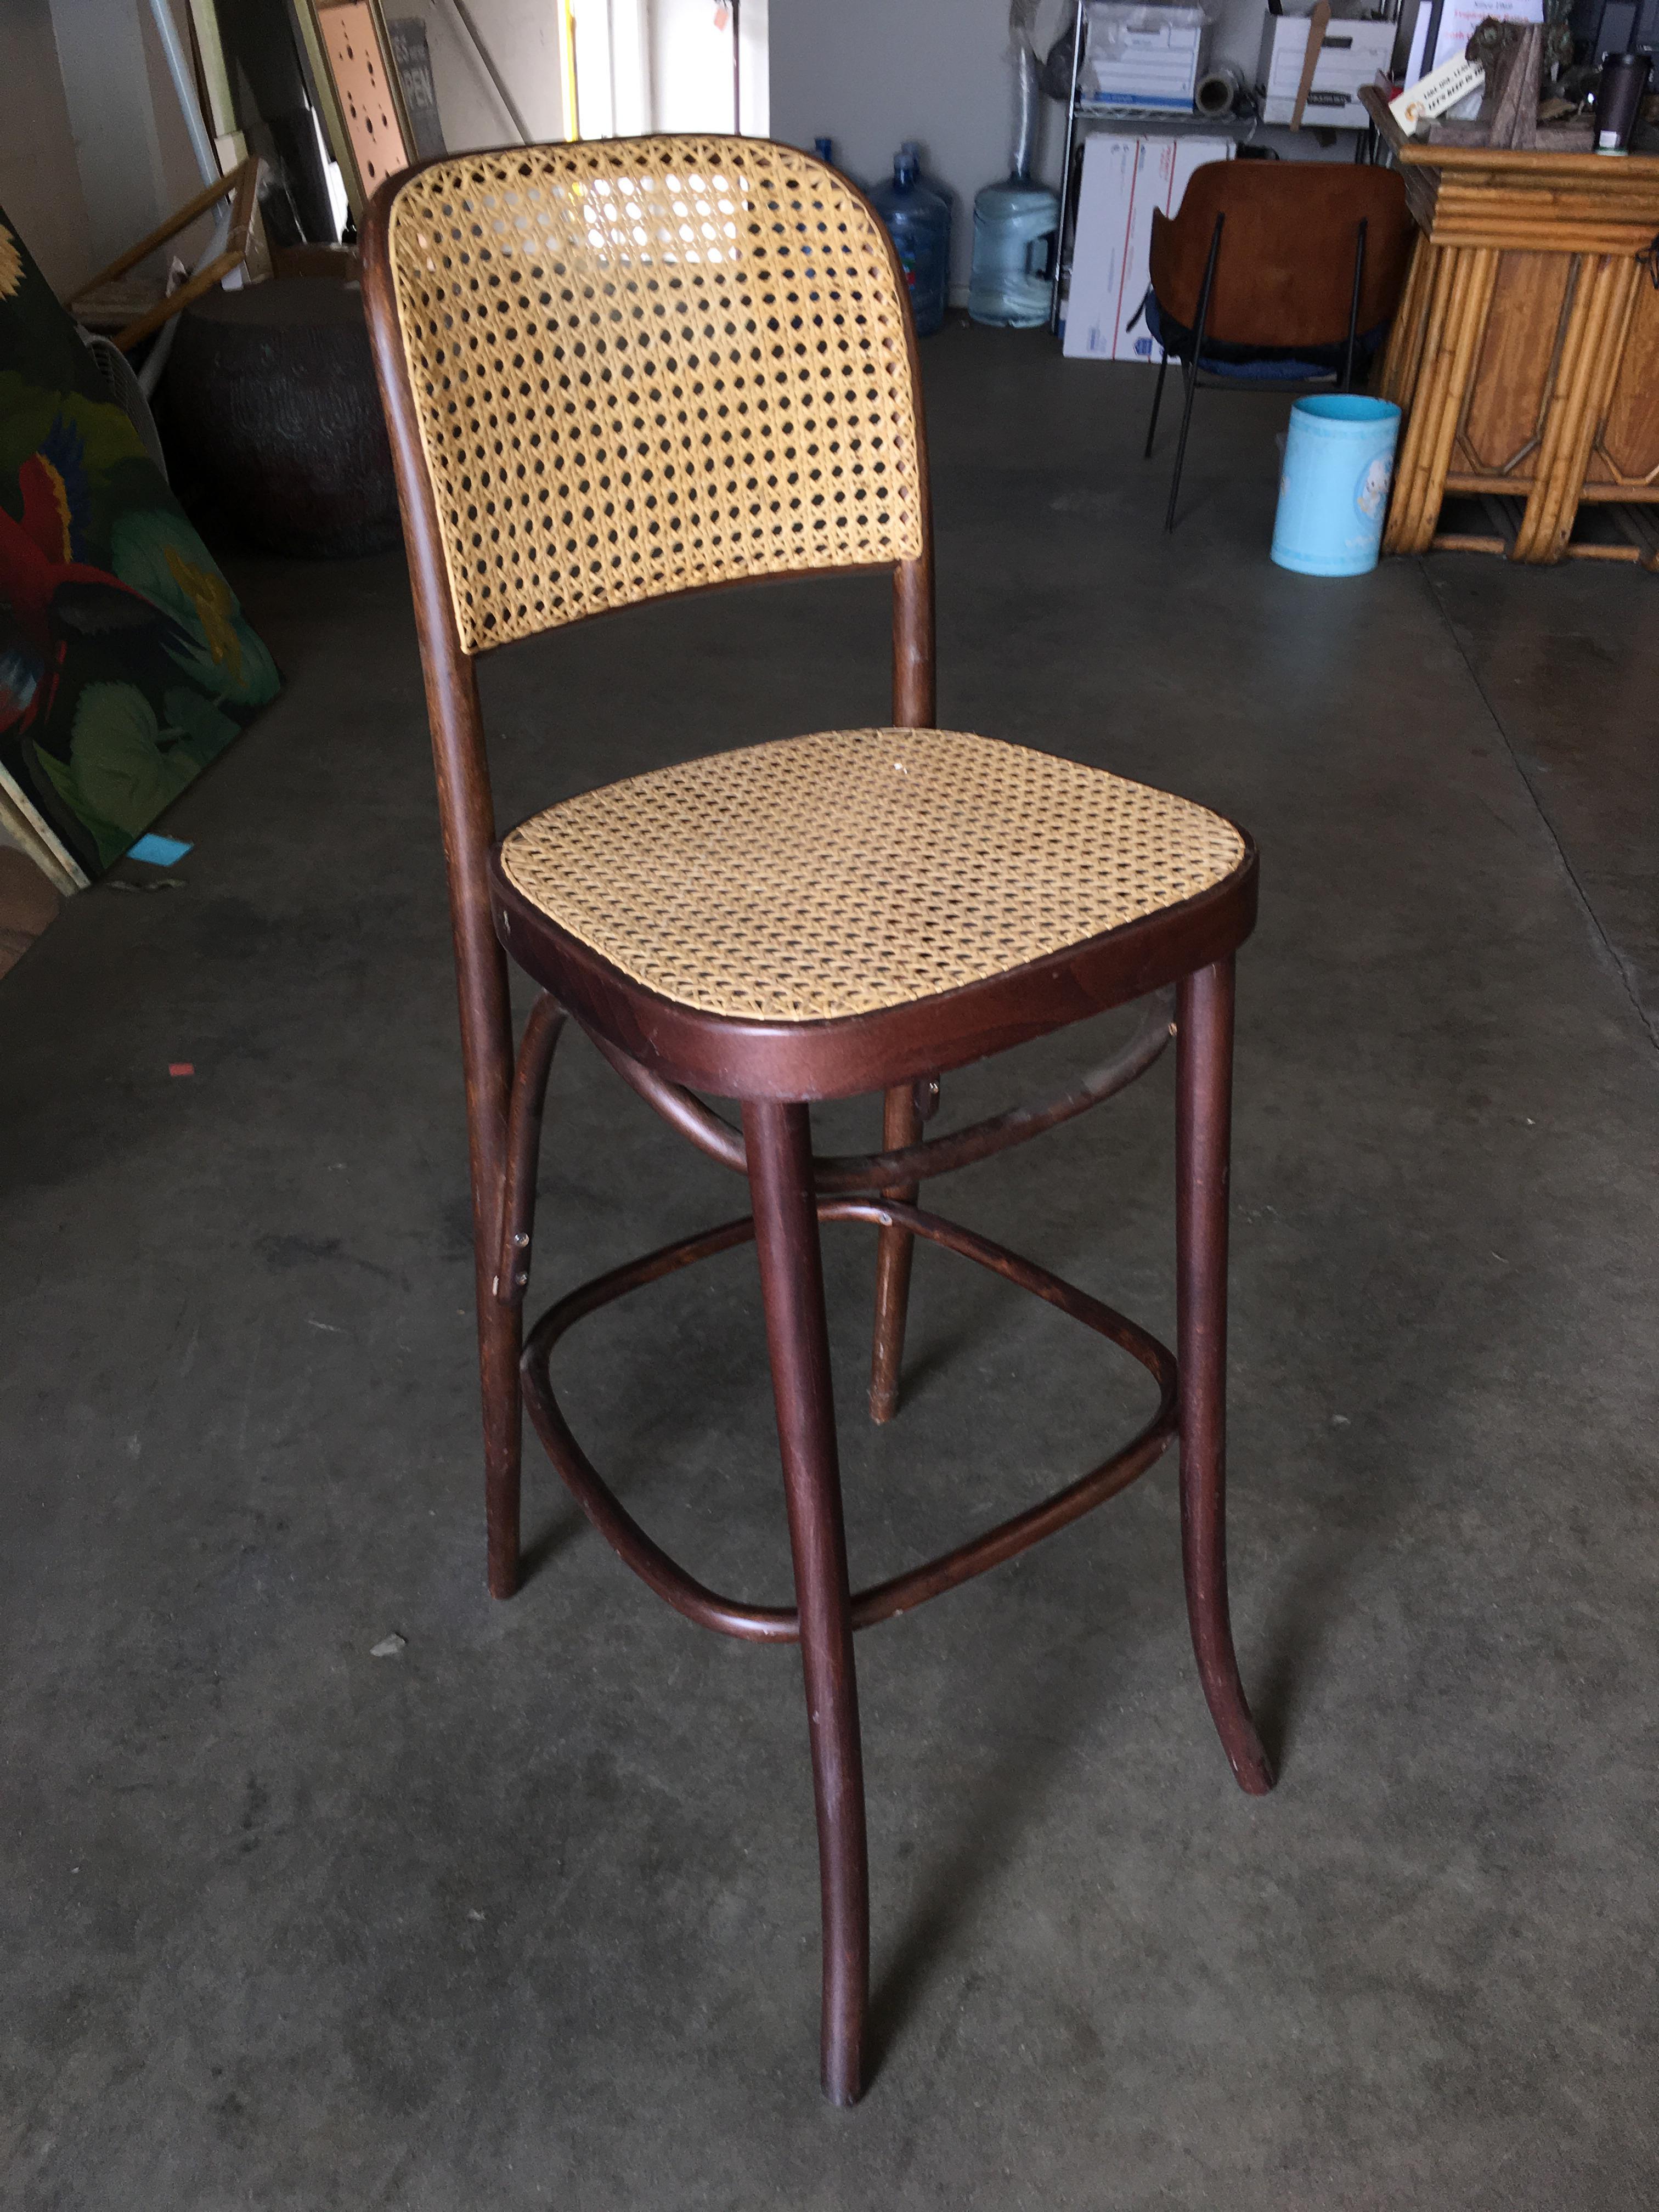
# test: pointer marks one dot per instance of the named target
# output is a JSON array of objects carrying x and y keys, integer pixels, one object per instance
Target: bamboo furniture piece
[
  {"x": 1525, "y": 355},
  {"x": 631, "y": 368},
  {"x": 1316, "y": 255}
]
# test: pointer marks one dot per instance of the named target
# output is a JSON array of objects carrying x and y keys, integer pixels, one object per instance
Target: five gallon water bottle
[
  {"x": 825, "y": 151},
  {"x": 918, "y": 220},
  {"x": 1016, "y": 222},
  {"x": 1014, "y": 229}
]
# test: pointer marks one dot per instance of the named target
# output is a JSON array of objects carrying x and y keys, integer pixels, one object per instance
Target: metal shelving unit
[
  {"x": 1081, "y": 113},
  {"x": 1241, "y": 126}
]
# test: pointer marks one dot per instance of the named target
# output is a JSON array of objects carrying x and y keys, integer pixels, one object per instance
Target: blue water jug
[
  {"x": 1014, "y": 227},
  {"x": 912, "y": 147},
  {"x": 918, "y": 220},
  {"x": 1333, "y": 491},
  {"x": 825, "y": 151}
]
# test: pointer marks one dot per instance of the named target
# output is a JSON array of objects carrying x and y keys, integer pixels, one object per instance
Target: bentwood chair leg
[
  {"x": 900, "y": 1124},
  {"x": 487, "y": 1056},
  {"x": 779, "y": 1142},
  {"x": 1204, "y": 1080},
  {"x": 499, "y": 1331}
]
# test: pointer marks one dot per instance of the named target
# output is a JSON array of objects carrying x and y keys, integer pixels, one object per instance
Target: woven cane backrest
[{"x": 643, "y": 365}]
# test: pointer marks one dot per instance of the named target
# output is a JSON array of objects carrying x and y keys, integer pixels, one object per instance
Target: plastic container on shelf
[
  {"x": 1333, "y": 490},
  {"x": 1014, "y": 227},
  {"x": 1145, "y": 56},
  {"x": 918, "y": 220}
]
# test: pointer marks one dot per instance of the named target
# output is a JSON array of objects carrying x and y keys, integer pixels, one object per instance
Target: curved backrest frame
[
  {"x": 849, "y": 293},
  {"x": 643, "y": 366},
  {"x": 1284, "y": 273}
]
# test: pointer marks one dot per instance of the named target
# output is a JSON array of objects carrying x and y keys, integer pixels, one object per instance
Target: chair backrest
[
  {"x": 1285, "y": 274},
  {"x": 637, "y": 366}
]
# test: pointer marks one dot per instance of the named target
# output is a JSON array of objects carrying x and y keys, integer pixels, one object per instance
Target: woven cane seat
[{"x": 837, "y": 874}]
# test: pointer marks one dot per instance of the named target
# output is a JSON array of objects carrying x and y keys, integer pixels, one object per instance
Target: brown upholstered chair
[
  {"x": 1274, "y": 273},
  {"x": 627, "y": 368}
]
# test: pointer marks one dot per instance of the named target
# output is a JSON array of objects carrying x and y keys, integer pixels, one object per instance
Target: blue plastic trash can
[{"x": 1334, "y": 492}]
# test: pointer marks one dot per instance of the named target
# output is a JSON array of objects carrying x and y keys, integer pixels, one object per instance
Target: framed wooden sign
[{"x": 361, "y": 101}]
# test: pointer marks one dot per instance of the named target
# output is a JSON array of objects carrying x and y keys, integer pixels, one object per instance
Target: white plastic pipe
[{"x": 184, "y": 83}]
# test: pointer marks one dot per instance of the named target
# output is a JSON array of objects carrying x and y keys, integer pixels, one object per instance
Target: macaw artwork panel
[{"x": 127, "y": 663}]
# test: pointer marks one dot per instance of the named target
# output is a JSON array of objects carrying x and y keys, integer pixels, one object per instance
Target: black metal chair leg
[
  {"x": 780, "y": 1147},
  {"x": 1191, "y": 373},
  {"x": 1353, "y": 307},
  {"x": 1158, "y": 401}
]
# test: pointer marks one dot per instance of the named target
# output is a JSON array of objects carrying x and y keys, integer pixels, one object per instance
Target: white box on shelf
[
  {"x": 1143, "y": 56},
  {"x": 1125, "y": 178},
  {"x": 1352, "y": 54}
]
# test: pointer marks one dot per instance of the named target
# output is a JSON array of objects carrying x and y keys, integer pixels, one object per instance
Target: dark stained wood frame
[{"x": 667, "y": 1051}]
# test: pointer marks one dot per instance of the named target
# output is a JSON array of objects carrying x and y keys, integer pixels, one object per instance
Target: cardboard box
[
  {"x": 1351, "y": 56},
  {"x": 1125, "y": 178},
  {"x": 1144, "y": 57}
]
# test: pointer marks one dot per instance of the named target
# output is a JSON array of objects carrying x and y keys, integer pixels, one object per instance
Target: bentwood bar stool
[{"x": 627, "y": 368}]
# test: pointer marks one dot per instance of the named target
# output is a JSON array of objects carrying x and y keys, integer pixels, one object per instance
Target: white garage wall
[
  {"x": 94, "y": 153},
  {"x": 40, "y": 179},
  {"x": 869, "y": 74},
  {"x": 523, "y": 39}
]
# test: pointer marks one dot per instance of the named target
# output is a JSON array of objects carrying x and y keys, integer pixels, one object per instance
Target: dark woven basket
[{"x": 271, "y": 390}]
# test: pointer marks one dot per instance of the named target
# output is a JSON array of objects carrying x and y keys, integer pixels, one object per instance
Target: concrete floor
[{"x": 526, "y": 1915}]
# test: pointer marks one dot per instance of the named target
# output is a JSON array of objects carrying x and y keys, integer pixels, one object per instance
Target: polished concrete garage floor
[{"x": 526, "y": 1915}]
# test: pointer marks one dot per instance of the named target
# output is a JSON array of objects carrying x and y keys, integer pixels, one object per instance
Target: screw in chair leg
[
  {"x": 900, "y": 1125},
  {"x": 780, "y": 1142},
  {"x": 1204, "y": 1052}
]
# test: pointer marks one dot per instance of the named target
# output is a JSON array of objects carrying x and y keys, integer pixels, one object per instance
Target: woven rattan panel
[
  {"x": 643, "y": 365},
  {"x": 857, "y": 869}
]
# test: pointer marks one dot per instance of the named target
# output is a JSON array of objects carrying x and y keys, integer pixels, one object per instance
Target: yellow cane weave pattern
[
  {"x": 644, "y": 365},
  {"x": 835, "y": 874}
]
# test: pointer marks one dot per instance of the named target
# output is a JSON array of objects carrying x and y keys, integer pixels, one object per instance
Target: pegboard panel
[{"x": 367, "y": 106}]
